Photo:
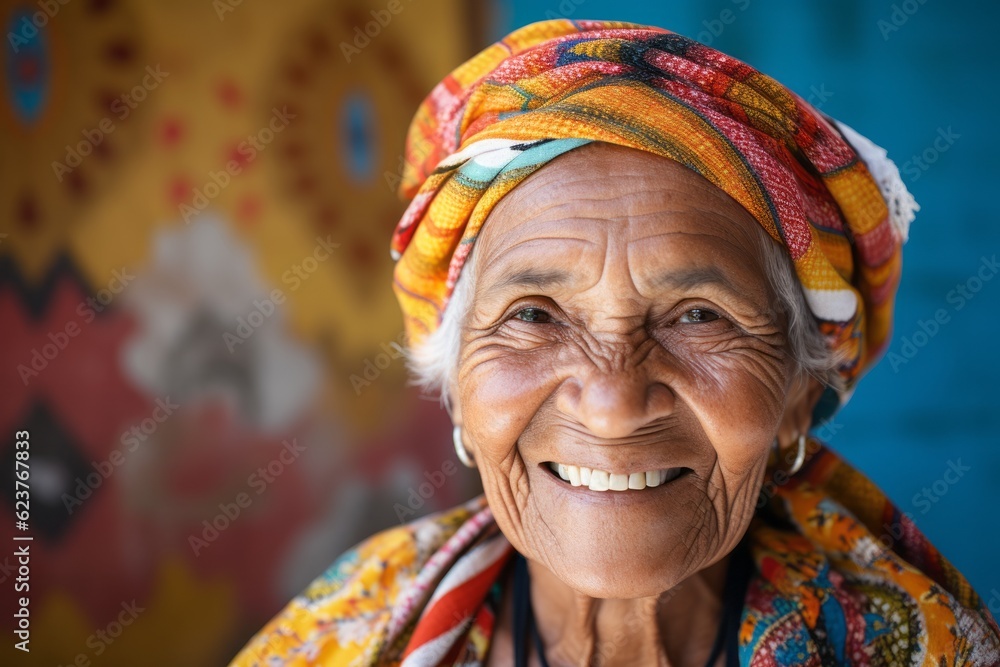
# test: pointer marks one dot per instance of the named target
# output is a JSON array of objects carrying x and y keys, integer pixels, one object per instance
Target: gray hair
[{"x": 433, "y": 362}]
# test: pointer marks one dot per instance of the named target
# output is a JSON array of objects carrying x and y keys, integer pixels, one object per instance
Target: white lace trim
[{"x": 902, "y": 206}]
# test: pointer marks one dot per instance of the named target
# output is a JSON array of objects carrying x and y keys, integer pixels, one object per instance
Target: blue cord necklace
[{"x": 737, "y": 578}]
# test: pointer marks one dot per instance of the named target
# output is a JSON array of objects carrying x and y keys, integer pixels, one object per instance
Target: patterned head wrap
[{"x": 556, "y": 85}]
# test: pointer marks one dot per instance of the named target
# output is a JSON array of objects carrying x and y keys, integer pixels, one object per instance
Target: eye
[
  {"x": 698, "y": 315},
  {"x": 536, "y": 315}
]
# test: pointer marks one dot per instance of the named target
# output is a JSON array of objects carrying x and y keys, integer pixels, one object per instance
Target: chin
[
  {"x": 617, "y": 545},
  {"x": 620, "y": 577}
]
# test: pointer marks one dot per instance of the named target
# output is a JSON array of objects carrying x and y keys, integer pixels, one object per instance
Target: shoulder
[
  {"x": 343, "y": 615},
  {"x": 842, "y": 569}
]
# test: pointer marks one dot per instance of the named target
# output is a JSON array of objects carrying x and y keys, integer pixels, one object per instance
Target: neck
[{"x": 673, "y": 629}]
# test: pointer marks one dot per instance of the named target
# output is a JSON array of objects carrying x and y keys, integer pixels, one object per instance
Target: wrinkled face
[{"x": 621, "y": 322}]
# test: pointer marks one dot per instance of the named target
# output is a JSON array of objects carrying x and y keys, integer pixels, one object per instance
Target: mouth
[{"x": 604, "y": 480}]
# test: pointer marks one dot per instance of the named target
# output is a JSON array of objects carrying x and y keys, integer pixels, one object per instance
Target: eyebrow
[
  {"x": 685, "y": 279},
  {"x": 538, "y": 279},
  {"x": 682, "y": 279}
]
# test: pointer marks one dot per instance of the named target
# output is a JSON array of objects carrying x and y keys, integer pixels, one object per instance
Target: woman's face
[{"x": 621, "y": 321}]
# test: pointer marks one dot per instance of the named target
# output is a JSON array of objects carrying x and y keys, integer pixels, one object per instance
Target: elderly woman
[{"x": 640, "y": 271}]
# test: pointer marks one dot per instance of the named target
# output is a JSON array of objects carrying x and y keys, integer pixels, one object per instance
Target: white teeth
[
  {"x": 617, "y": 482},
  {"x": 637, "y": 480},
  {"x": 602, "y": 480},
  {"x": 599, "y": 480},
  {"x": 574, "y": 476}
]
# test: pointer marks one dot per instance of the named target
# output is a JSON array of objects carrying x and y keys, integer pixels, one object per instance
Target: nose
[{"x": 616, "y": 403}]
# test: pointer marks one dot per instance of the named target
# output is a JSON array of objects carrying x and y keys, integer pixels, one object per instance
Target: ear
[{"x": 797, "y": 418}]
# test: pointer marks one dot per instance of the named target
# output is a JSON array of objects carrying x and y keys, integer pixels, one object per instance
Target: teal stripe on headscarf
[{"x": 478, "y": 175}]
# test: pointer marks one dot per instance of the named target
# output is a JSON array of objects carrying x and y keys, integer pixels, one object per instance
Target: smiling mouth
[{"x": 602, "y": 480}]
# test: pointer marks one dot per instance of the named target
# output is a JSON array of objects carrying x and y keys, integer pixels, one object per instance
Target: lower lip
[{"x": 609, "y": 495}]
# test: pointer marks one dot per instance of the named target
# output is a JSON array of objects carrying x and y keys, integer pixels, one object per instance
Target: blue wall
[{"x": 913, "y": 417}]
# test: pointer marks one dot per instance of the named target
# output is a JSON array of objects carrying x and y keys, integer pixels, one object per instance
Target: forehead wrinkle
[
  {"x": 623, "y": 208},
  {"x": 576, "y": 190},
  {"x": 729, "y": 228},
  {"x": 497, "y": 245},
  {"x": 579, "y": 207},
  {"x": 619, "y": 222},
  {"x": 502, "y": 234},
  {"x": 635, "y": 172},
  {"x": 579, "y": 226},
  {"x": 644, "y": 192},
  {"x": 756, "y": 268},
  {"x": 518, "y": 266}
]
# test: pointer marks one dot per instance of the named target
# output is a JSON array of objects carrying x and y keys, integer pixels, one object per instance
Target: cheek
[
  {"x": 500, "y": 395},
  {"x": 738, "y": 398}
]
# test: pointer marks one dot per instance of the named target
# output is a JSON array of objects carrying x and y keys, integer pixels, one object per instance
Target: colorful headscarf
[
  {"x": 841, "y": 577},
  {"x": 556, "y": 85}
]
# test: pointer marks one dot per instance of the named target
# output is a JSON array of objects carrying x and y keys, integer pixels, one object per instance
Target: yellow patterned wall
[{"x": 175, "y": 175}]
